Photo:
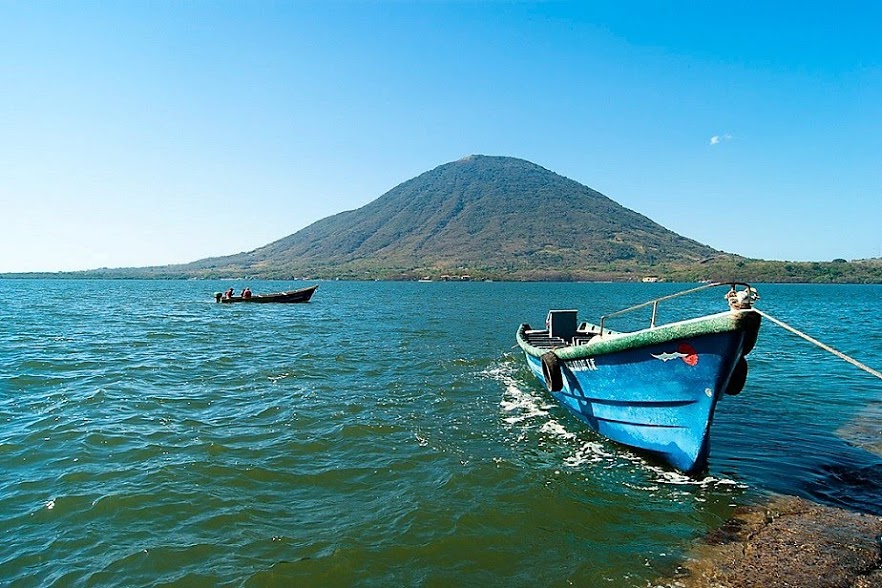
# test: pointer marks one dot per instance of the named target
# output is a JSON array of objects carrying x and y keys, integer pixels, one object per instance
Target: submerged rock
[
  {"x": 788, "y": 543},
  {"x": 864, "y": 430}
]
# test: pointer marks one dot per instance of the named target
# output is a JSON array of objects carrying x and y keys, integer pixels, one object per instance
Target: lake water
[{"x": 385, "y": 434}]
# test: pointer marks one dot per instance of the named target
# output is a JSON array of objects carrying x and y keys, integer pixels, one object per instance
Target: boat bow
[{"x": 654, "y": 389}]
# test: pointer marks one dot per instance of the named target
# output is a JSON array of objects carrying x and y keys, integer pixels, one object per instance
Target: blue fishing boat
[{"x": 654, "y": 389}]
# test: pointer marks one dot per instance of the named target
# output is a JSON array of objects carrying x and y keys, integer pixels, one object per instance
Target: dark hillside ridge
[
  {"x": 481, "y": 214},
  {"x": 498, "y": 218}
]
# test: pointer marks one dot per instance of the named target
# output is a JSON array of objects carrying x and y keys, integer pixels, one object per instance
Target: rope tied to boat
[{"x": 823, "y": 346}]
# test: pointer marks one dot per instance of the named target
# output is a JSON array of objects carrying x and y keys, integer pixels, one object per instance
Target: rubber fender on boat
[
  {"x": 739, "y": 377},
  {"x": 551, "y": 372}
]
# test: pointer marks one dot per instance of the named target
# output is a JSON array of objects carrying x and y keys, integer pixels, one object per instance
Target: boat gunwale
[{"x": 723, "y": 322}]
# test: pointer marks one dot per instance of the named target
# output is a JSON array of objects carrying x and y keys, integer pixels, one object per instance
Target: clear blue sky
[{"x": 148, "y": 133}]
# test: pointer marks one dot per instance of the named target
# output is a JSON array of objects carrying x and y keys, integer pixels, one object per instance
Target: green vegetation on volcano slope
[
  {"x": 499, "y": 218},
  {"x": 491, "y": 215}
]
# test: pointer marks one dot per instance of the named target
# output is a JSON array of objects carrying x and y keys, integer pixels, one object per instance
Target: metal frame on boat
[{"x": 653, "y": 389}]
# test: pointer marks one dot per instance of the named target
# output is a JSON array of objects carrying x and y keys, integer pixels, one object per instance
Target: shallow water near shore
[{"x": 385, "y": 434}]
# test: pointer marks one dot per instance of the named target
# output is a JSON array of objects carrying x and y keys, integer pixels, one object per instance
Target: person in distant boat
[
  {"x": 246, "y": 293},
  {"x": 228, "y": 294},
  {"x": 217, "y": 296}
]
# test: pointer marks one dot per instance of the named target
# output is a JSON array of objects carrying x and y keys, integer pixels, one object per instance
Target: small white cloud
[{"x": 715, "y": 140}]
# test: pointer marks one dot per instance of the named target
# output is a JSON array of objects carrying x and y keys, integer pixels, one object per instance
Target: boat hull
[
  {"x": 654, "y": 390},
  {"x": 294, "y": 296}
]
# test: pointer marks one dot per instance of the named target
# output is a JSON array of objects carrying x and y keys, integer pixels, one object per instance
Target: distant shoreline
[{"x": 98, "y": 275}]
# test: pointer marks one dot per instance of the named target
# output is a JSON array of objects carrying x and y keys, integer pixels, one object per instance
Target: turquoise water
[{"x": 385, "y": 434}]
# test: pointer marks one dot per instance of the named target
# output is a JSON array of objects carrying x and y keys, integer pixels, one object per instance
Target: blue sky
[{"x": 148, "y": 133}]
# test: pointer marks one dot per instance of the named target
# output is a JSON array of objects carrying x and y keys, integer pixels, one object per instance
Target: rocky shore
[{"x": 788, "y": 543}]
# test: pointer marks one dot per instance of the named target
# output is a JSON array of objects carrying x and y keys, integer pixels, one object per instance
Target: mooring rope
[{"x": 838, "y": 354}]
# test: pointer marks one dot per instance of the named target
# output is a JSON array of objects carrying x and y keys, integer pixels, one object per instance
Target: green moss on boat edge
[{"x": 728, "y": 321}]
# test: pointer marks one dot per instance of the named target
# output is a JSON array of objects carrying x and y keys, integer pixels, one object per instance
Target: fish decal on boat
[
  {"x": 684, "y": 351},
  {"x": 668, "y": 356}
]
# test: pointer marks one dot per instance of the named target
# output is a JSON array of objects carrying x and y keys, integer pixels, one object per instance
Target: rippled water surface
[{"x": 384, "y": 434}]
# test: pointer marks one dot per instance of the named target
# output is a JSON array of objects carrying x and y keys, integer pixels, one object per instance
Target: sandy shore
[{"x": 788, "y": 543}]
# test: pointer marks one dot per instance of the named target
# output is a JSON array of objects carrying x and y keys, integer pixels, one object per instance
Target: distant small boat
[
  {"x": 654, "y": 389},
  {"x": 302, "y": 295}
]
